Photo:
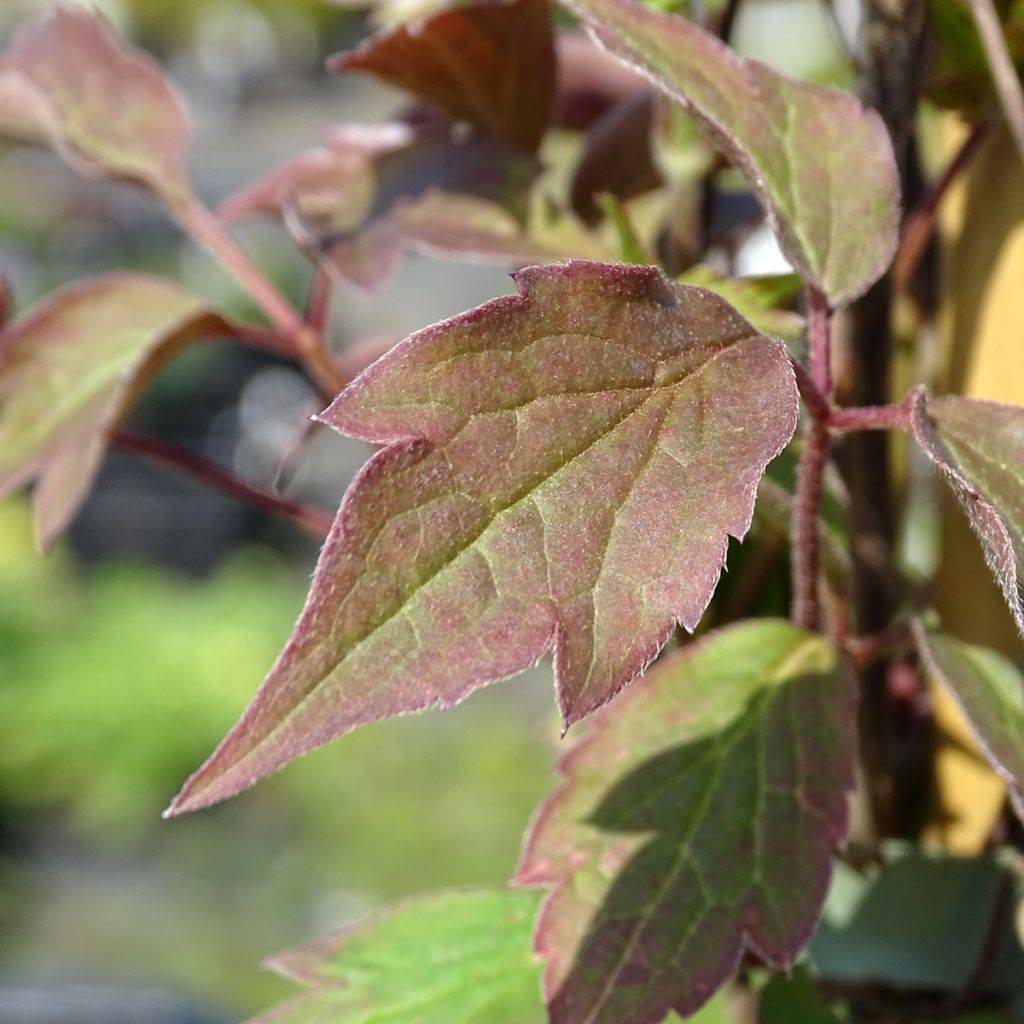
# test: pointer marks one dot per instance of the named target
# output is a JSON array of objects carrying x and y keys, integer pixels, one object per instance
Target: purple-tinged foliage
[
  {"x": 68, "y": 369},
  {"x": 564, "y": 468},
  {"x": 795, "y": 142},
  {"x": 109, "y": 111},
  {"x": 990, "y": 692},
  {"x": 697, "y": 819},
  {"x": 491, "y": 64},
  {"x": 979, "y": 447}
]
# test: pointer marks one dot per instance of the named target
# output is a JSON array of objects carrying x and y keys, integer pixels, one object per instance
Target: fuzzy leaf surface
[
  {"x": 564, "y": 467},
  {"x": 67, "y": 369},
  {"x": 452, "y": 958},
  {"x": 794, "y": 142},
  {"x": 990, "y": 691},
  {"x": 491, "y": 64},
  {"x": 107, "y": 109},
  {"x": 697, "y": 819},
  {"x": 979, "y": 447}
]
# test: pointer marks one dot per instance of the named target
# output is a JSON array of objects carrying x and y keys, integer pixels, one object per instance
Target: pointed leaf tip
[
  {"x": 792, "y": 140},
  {"x": 696, "y": 819},
  {"x": 564, "y": 466}
]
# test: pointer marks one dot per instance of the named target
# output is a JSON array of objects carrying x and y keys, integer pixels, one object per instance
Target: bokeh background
[{"x": 127, "y": 652}]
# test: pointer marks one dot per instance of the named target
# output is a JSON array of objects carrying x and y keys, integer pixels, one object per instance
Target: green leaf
[
  {"x": 455, "y": 958},
  {"x": 491, "y": 64},
  {"x": 564, "y": 468},
  {"x": 697, "y": 819},
  {"x": 794, "y": 142},
  {"x": 793, "y": 1000},
  {"x": 108, "y": 110},
  {"x": 69, "y": 367},
  {"x": 979, "y": 447},
  {"x": 990, "y": 691}
]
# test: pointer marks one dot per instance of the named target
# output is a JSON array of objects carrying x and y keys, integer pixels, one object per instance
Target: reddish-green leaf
[
  {"x": 108, "y": 110},
  {"x": 451, "y": 958},
  {"x": 990, "y": 691},
  {"x": 491, "y": 64},
  {"x": 697, "y": 819},
  {"x": 69, "y": 366},
  {"x": 795, "y": 142},
  {"x": 564, "y": 468},
  {"x": 979, "y": 447}
]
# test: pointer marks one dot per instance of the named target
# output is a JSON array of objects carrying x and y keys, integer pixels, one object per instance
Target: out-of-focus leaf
[
  {"x": 490, "y": 63},
  {"x": 756, "y": 299},
  {"x": 916, "y": 921},
  {"x": 453, "y": 958},
  {"x": 108, "y": 110},
  {"x": 793, "y": 141},
  {"x": 697, "y": 819},
  {"x": 340, "y": 201},
  {"x": 616, "y": 157},
  {"x": 979, "y": 447},
  {"x": 990, "y": 692},
  {"x": 69, "y": 366},
  {"x": 590, "y": 81},
  {"x": 564, "y": 467},
  {"x": 793, "y": 1000}
]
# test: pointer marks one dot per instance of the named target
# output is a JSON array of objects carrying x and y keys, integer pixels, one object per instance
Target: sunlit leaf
[
  {"x": 340, "y": 201},
  {"x": 109, "y": 110},
  {"x": 979, "y": 447},
  {"x": 696, "y": 820},
  {"x": 491, "y": 64},
  {"x": 990, "y": 691},
  {"x": 564, "y": 468},
  {"x": 67, "y": 369},
  {"x": 453, "y": 958},
  {"x": 795, "y": 142}
]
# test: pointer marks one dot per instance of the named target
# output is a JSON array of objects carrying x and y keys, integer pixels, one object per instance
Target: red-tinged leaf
[
  {"x": 564, "y": 467},
  {"x": 449, "y": 958},
  {"x": 979, "y": 447},
  {"x": 990, "y": 692},
  {"x": 697, "y": 819},
  {"x": 795, "y": 142},
  {"x": 617, "y": 157},
  {"x": 108, "y": 110},
  {"x": 490, "y": 63},
  {"x": 69, "y": 367},
  {"x": 590, "y": 81}
]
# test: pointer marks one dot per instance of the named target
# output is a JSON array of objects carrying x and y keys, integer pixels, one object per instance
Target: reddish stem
[
  {"x": 871, "y": 417},
  {"x": 805, "y": 538},
  {"x": 312, "y": 520},
  {"x": 819, "y": 336},
  {"x": 204, "y": 227}
]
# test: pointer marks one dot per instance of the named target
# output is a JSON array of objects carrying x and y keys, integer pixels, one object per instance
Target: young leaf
[
  {"x": 491, "y": 64},
  {"x": 67, "y": 369},
  {"x": 108, "y": 110},
  {"x": 564, "y": 467},
  {"x": 979, "y": 447},
  {"x": 454, "y": 958},
  {"x": 697, "y": 819},
  {"x": 793, "y": 141},
  {"x": 990, "y": 691}
]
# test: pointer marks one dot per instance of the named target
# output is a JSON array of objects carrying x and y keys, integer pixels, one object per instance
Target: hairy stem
[
  {"x": 806, "y": 539},
  {"x": 871, "y": 417},
  {"x": 312, "y": 520},
  {"x": 819, "y": 335},
  {"x": 204, "y": 227}
]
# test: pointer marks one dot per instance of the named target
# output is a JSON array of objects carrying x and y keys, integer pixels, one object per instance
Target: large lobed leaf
[
  {"x": 990, "y": 691},
  {"x": 108, "y": 110},
  {"x": 491, "y": 64},
  {"x": 564, "y": 467},
  {"x": 452, "y": 958},
  {"x": 68, "y": 368},
  {"x": 697, "y": 819},
  {"x": 795, "y": 142},
  {"x": 979, "y": 447}
]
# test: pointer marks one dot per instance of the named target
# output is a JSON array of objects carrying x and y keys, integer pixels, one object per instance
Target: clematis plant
[{"x": 560, "y": 472}]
